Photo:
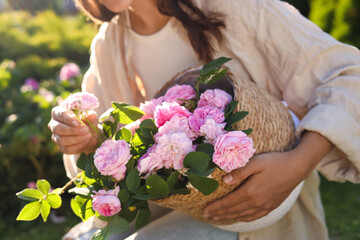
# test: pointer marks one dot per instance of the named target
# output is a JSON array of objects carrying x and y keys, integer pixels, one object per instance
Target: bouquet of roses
[{"x": 168, "y": 146}]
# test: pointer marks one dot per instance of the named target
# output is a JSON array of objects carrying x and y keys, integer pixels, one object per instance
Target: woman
[{"x": 144, "y": 42}]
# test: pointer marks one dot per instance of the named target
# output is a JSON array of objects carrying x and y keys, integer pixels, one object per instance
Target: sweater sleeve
[{"x": 319, "y": 74}]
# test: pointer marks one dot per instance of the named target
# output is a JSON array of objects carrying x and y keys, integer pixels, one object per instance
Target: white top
[{"x": 149, "y": 52}]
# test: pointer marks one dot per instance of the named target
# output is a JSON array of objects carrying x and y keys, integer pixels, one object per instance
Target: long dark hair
[{"x": 201, "y": 27}]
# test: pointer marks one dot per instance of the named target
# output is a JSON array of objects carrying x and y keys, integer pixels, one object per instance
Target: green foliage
[{"x": 340, "y": 18}]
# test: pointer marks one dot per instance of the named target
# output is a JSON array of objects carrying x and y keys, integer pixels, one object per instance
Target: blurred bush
[
  {"x": 38, "y": 46},
  {"x": 340, "y": 18}
]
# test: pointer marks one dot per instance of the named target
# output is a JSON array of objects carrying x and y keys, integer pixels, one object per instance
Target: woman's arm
[{"x": 268, "y": 180}]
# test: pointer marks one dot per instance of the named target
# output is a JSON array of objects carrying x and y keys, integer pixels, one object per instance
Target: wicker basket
[{"x": 273, "y": 131}]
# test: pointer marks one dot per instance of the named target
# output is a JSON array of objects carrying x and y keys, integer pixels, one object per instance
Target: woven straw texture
[{"x": 273, "y": 131}]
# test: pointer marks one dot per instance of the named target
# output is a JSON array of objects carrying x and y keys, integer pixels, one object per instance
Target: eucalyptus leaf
[
  {"x": 157, "y": 186},
  {"x": 81, "y": 162},
  {"x": 248, "y": 131},
  {"x": 173, "y": 178},
  {"x": 213, "y": 76},
  {"x": 108, "y": 128},
  {"x": 214, "y": 65},
  {"x": 206, "y": 148},
  {"x": 30, "y": 194},
  {"x": 143, "y": 218},
  {"x": 75, "y": 207},
  {"x": 43, "y": 186},
  {"x": 125, "y": 134},
  {"x": 230, "y": 108},
  {"x": 205, "y": 185},
  {"x": 124, "y": 195},
  {"x": 45, "y": 210},
  {"x": 30, "y": 211},
  {"x": 127, "y": 113}
]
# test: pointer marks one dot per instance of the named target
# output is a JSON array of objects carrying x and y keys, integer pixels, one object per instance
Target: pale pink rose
[
  {"x": 211, "y": 130},
  {"x": 148, "y": 107},
  {"x": 174, "y": 125},
  {"x": 233, "y": 150},
  {"x": 149, "y": 162},
  {"x": 216, "y": 98},
  {"x": 68, "y": 71},
  {"x": 32, "y": 84},
  {"x": 172, "y": 149},
  {"x": 106, "y": 203},
  {"x": 177, "y": 92},
  {"x": 167, "y": 110},
  {"x": 81, "y": 101},
  {"x": 111, "y": 158},
  {"x": 200, "y": 115}
]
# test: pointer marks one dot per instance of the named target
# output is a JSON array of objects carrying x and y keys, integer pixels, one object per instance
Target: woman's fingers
[
  {"x": 62, "y": 129},
  {"x": 65, "y": 116},
  {"x": 73, "y": 149},
  {"x": 64, "y": 141}
]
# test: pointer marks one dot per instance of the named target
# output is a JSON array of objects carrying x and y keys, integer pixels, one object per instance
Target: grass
[{"x": 341, "y": 203}]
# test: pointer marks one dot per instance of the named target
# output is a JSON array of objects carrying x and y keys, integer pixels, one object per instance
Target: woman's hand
[
  {"x": 267, "y": 180},
  {"x": 68, "y": 133}
]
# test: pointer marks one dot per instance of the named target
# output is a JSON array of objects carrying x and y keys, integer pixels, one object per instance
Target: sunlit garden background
[{"x": 44, "y": 52}]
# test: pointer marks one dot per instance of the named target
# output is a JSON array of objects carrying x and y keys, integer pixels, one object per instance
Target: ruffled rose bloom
[
  {"x": 111, "y": 158},
  {"x": 174, "y": 125},
  {"x": 167, "y": 110},
  {"x": 106, "y": 203},
  {"x": 148, "y": 107},
  {"x": 149, "y": 162},
  {"x": 216, "y": 98},
  {"x": 211, "y": 130},
  {"x": 172, "y": 149},
  {"x": 69, "y": 71},
  {"x": 233, "y": 150},
  {"x": 81, "y": 101},
  {"x": 177, "y": 92},
  {"x": 200, "y": 115}
]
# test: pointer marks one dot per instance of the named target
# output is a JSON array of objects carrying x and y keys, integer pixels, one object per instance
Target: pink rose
[
  {"x": 172, "y": 149},
  {"x": 166, "y": 111},
  {"x": 177, "y": 92},
  {"x": 216, "y": 98},
  {"x": 200, "y": 115},
  {"x": 111, "y": 158},
  {"x": 69, "y": 71},
  {"x": 133, "y": 126},
  {"x": 149, "y": 162},
  {"x": 81, "y": 101},
  {"x": 211, "y": 130},
  {"x": 31, "y": 184},
  {"x": 174, "y": 125},
  {"x": 106, "y": 203},
  {"x": 233, "y": 150},
  {"x": 149, "y": 107}
]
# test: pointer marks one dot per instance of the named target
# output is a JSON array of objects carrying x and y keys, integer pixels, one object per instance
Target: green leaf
[
  {"x": 143, "y": 197},
  {"x": 80, "y": 191},
  {"x": 30, "y": 194},
  {"x": 43, "y": 186},
  {"x": 30, "y": 211},
  {"x": 236, "y": 117},
  {"x": 173, "y": 178},
  {"x": 45, "y": 210},
  {"x": 106, "y": 114},
  {"x": 54, "y": 200},
  {"x": 197, "y": 162},
  {"x": 108, "y": 128},
  {"x": 136, "y": 140},
  {"x": 149, "y": 125},
  {"x": 124, "y": 195},
  {"x": 118, "y": 225},
  {"x": 81, "y": 162},
  {"x": 85, "y": 205},
  {"x": 208, "y": 172},
  {"x": 213, "y": 76},
  {"x": 205, "y": 185},
  {"x": 206, "y": 148},
  {"x": 214, "y": 65},
  {"x": 230, "y": 108},
  {"x": 101, "y": 234},
  {"x": 248, "y": 131},
  {"x": 75, "y": 207},
  {"x": 126, "y": 113},
  {"x": 157, "y": 186},
  {"x": 143, "y": 218},
  {"x": 181, "y": 191},
  {"x": 125, "y": 134},
  {"x": 133, "y": 180}
]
